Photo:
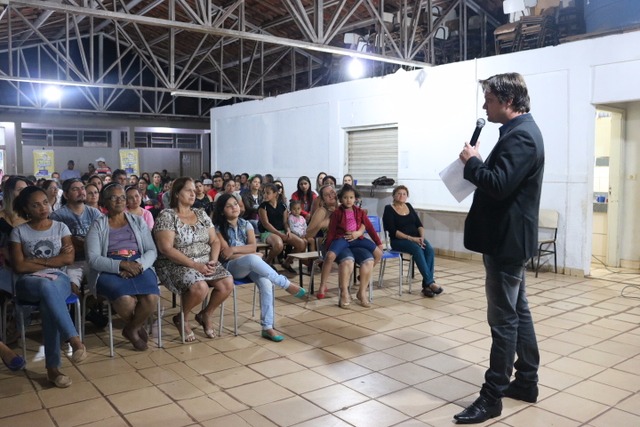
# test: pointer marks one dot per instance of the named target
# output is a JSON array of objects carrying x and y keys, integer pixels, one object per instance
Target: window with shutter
[{"x": 372, "y": 153}]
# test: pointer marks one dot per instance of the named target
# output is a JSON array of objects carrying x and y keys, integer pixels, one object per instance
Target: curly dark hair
[{"x": 20, "y": 203}]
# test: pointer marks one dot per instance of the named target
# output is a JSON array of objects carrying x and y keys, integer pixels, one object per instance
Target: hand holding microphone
[{"x": 470, "y": 149}]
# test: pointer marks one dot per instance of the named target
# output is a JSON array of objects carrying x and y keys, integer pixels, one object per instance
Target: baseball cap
[
  {"x": 207, "y": 181},
  {"x": 100, "y": 159}
]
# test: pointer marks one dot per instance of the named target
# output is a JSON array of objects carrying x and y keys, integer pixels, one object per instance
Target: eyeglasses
[{"x": 116, "y": 198}]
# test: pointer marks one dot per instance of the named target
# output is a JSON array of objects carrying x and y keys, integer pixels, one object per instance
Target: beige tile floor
[{"x": 407, "y": 361}]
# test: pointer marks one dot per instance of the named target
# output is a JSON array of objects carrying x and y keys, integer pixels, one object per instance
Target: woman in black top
[
  {"x": 407, "y": 235},
  {"x": 274, "y": 227}
]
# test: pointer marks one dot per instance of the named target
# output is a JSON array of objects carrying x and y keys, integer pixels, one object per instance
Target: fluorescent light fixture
[
  {"x": 207, "y": 95},
  {"x": 52, "y": 93}
]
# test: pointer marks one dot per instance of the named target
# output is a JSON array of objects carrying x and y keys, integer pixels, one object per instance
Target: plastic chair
[
  {"x": 406, "y": 257},
  {"x": 387, "y": 254}
]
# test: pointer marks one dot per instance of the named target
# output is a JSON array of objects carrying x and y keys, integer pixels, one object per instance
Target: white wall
[{"x": 436, "y": 110}]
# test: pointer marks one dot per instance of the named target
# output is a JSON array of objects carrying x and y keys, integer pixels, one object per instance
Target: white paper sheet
[{"x": 453, "y": 179}]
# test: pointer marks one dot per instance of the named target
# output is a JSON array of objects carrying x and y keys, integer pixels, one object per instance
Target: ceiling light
[
  {"x": 356, "y": 68},
  {"x": 197, "y": 94},
  {"x": 52, "y": 93}
]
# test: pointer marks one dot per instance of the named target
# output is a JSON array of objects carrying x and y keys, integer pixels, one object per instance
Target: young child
[
  {"x": 297, "y": 223},
  {"x": 346, "y": 229}
]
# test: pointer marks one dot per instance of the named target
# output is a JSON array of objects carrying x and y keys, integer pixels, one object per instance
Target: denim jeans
[
  {"x": 423, "y": 257},
  {"x": 340, "y": 244},
  {"x": 511, "y": 326},
  {"x": 260, "y": 273},
  {"x": 51, "y": 297}
]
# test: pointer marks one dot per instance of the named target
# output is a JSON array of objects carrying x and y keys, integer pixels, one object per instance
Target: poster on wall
[
  {"x": 43, "y": 163},
  {"x": 129, "y": 162}
]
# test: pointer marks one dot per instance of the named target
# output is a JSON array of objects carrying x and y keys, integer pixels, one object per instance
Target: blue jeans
[
  {"x": 260, "y": 273},
  {"x": 511, "y": 326},
  {"x": 423, "y": 257},
  {"x": 340, "y": 244},
  {"x": 359, "y": 255},
  {"x": 50, "y": 295}
]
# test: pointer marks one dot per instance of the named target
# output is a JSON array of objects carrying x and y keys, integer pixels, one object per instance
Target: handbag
[{"x": 383, "y": 181}]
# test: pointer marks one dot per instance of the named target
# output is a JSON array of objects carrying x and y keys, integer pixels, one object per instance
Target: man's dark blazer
[{"x": 503, "y": 219}]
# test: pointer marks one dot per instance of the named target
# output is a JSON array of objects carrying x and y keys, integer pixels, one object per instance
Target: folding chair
[{"x": 548, "y": 229}]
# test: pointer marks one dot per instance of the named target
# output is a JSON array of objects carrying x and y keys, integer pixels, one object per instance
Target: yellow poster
[
  {"x": 129, "y": 162},
  {"x": 43, "y": 163}
]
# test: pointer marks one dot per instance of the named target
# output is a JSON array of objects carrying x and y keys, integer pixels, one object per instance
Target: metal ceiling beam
[{"x": 164, "y": 23}]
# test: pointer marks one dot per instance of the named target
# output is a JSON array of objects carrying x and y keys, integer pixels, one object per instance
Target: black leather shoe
[
  {"x": 518, "y": 392},
  {"x": 479, "y": 411}
]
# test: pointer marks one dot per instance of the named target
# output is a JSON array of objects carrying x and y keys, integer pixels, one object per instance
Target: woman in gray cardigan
[{"x": 121, "y": 252}]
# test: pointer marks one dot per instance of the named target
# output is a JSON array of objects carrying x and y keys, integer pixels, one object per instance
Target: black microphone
[{"x": 476, "y": 133}]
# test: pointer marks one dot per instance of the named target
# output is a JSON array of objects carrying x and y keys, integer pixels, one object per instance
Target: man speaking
[{"x": 503, "y": 225}]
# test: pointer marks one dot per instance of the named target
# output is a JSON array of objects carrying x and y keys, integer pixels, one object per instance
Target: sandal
[
  {"x": 190, "y": 337},
  {"x": 321, "y": 293},
  {"x": 60, "y": 381},
  {"x": 363, "y": 301},
  {"x": 344, "y": 304},
  {"x": 210, "y": 333},
  {"x": 79, "y": 355}
]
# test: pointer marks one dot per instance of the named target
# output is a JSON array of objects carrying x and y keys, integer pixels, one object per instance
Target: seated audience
[
  {"x": 346, "y": 238},
  {"x": 203, "y": 201},
  {"x": 93, "y": 196},
  {"x": 274, "y": 227},
  {"x": 134, "y": 201},
  {"x": 121, "y": 253},
  {"x": 188, "y": 257},
  {"x": 40, "y": 250},
  {"x": 252, "y": 199},
  {"x": 406, "y": 234},
  {"x": 305, "y": 195},
  {"x": 78, "y": 217},
  {"x": 319, "y": 227},
  {"x": 239, "y": 256}
]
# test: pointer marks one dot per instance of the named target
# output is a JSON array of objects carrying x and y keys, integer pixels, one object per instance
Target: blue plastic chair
[
  {"x": 386, "y": 253},
  {"x": 72, "y": 299}
]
